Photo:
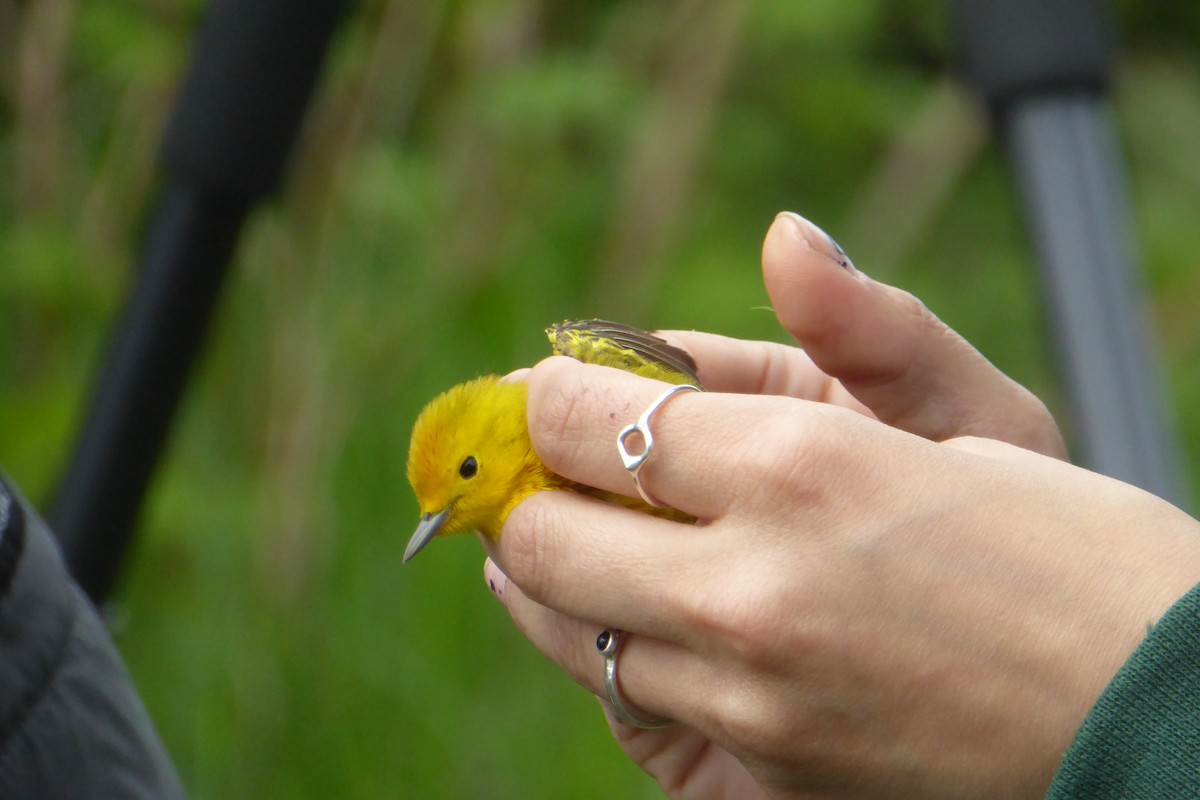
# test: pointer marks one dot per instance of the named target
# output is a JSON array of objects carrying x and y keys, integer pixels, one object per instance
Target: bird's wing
[{"x": 614, "y": 344}]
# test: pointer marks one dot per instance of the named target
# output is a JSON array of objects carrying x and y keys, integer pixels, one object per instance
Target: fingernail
[
  {"x": 497, "y": 581},
  {"x": 818, "y": 240}
]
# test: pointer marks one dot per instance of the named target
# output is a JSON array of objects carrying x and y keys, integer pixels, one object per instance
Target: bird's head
[{"x": 469, "y": 450}]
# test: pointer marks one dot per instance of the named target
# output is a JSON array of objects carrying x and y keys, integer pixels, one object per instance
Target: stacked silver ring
[{"x": 608, "y": 644}]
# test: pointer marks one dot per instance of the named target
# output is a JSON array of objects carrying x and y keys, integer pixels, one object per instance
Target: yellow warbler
[{"x": 470, "y": 460}]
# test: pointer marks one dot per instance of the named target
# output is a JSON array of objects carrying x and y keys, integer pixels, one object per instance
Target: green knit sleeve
[{"x": 1142, "y": 738}]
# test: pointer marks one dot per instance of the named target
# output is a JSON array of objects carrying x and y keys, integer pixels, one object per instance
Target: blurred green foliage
[{"x": 471, "y": 172}]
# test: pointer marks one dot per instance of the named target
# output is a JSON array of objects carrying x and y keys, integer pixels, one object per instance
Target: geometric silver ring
[{"x": 634, "y": 462}]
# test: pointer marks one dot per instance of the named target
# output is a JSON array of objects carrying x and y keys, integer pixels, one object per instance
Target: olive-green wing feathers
[{"x": 613, "y": 344}]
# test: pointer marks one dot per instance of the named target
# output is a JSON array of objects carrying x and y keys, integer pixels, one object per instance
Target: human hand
[
  {"x": 861, "y": 612},
  {"x": 868, "y": 346},
  {"x": 868, "y": 613}
]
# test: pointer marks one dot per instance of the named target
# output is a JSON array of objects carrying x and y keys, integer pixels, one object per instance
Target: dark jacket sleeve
[
  {"x": 71, "y": 725},
  {"x": 1142, "y": 738}
]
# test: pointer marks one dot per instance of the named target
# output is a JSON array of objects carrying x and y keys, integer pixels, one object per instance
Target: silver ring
[
  {"x": 633, "y": 463},
  {"x": 608, "y": 644}
]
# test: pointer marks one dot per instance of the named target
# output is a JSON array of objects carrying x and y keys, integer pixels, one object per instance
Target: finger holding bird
[{"x": 471, "y": 460}]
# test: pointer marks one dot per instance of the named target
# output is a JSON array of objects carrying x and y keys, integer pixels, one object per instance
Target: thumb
[{"x": 889, "y": 351}]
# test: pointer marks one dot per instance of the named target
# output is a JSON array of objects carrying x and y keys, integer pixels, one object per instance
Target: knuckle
[
  {"x": 754, "y": 615},
  {"x": 801, "y": 462},
  {"x": 1036, "y": 428},
  {"x": 732, "y": 714},
  {"x": 917, "y": 309},
  {"x": 529, "y": 547},
  {"x": 747, "y": 625},
  {"x": 565, "y": 647},
  {"x": 753, "y": 717},
  {"x": 759, "y": 711},
  {"x": 557, "y": 419}
]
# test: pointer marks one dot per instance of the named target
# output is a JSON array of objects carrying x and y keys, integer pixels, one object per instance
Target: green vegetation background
[{"x": 471, "y": 172}]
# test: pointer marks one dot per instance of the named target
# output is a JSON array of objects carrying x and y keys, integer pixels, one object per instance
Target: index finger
[
  {"x": 744, "y": 366},
  {"x": 708, "y": 455}
]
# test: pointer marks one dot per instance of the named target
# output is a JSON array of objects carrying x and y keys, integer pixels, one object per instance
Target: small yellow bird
[{"x": 470, "y": 460}]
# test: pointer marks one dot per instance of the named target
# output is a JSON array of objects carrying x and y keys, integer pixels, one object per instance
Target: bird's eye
[{"x": 469, "y": 467}]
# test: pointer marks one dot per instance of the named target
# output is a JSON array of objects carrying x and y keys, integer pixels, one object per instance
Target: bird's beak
[{"x": 430, "y": 524}]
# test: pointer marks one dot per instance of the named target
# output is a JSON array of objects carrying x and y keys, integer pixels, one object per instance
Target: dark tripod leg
[
  {"x": 1043, "y": 68},
  {"x": 253, "y": 69}
]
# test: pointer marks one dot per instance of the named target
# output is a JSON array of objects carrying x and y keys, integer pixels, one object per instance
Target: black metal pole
[
  {"x": 1043, "y": 66},
  {"x": 253, "y": 69}
]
